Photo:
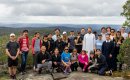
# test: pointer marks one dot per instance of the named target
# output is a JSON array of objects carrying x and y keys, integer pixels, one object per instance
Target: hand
[
  {"x": 110, "y": 56},
  {"x": 20, "y": 52},
  {"x": 43, "y": 61},
  {"x": 55, "y": 63},
  {"x": 86, "y": 63},
  {"x": 13, "y": 57}
]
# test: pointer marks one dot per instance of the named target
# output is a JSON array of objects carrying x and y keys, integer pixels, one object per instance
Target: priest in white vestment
[{"x": 89, "y": 42}]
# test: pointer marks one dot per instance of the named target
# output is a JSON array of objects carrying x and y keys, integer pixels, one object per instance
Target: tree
[{"x": 126, "y": 13}]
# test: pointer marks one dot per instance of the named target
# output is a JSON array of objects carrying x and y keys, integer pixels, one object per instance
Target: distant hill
[{"x": 48, "y": 28}]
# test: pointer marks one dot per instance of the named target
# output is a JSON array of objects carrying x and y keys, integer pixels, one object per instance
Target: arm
[
  {"x": 8, "y": 54},
  {"x": 84, "y": 44},
  {"x": 80, "y": 59}
]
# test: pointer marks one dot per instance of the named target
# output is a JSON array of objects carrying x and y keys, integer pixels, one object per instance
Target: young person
[
  {"x": 65, "y": 39},
  {"x": 71, "y": 41},
  {"x": 83, "y": 60},
  {"x": 46, "y": 43},
  {"x": 103, "y": 33},
  {"x": 57, "y": 33},
  {"x": 109, "y": 30},
  {"x": 43, "y": 60},
  {"x": 99, "y": 42},
  {"x": 101, "y": 62},
  {"x": 65, "y": 58},
  {"x": 112, "y": 35},
  {"x": 108, "y": 52},
  {"x": 12, "y": 51},
  {"x": 74, "y": 60},
  {"x": 83, "y": 32},
  {"x": 78, "y": 42},
  {"x": 36, "y": 46},
  {"x": 89, "y": 41},
  {"x": 24, "y": 49},
  {"x": 56, "y": 60},
  {"x": 52, "y": 43},
  {"x": 59, "y": 44},
  {"x": 123, "y": 33},
  {"x": 92, "y": 62}
]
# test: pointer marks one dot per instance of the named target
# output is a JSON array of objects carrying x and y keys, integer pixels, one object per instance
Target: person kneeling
[
  {"x": 92, "y": 62},
  {"x": 74, "y": 60},
  {"x": 44, "y": 60},
  {"x": 65, "y": 58},
  {"x": 83, "y": 60},
  {"x": 56, "y": 60},
  {"x": 101, "y": 62}
]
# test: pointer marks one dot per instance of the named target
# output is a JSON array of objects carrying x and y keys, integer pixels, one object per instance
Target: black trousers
[{"x": 74, "y": 66}]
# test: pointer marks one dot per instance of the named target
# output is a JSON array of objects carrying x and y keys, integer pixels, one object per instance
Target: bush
[{"x": 124, "y": 54}]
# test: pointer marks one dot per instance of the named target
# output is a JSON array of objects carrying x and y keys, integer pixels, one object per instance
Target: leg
[
  {"x": 102, "y": 71},
  {"x": 72, "y": 67}
]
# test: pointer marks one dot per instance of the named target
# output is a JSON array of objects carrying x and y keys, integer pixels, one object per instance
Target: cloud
[{"x": 65, "y": 7}]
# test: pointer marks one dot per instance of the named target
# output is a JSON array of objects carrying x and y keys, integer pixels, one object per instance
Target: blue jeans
[{"x": 23, "y": 60}]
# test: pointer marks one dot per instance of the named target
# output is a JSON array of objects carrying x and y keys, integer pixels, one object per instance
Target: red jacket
[
  {"x": 83, "y": 60},
  {"x": 33, "y": 43},
  {"x": 20, "y": 41}
]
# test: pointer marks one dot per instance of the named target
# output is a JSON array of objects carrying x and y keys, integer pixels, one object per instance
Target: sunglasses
[{"x": 66, "y": 49}]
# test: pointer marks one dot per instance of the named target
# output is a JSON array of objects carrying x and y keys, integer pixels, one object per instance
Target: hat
[
  {"x": 12, "y": 34},
  {"x": 64, "y": 32}
]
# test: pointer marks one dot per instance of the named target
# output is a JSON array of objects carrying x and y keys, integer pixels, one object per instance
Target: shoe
[
  {"x": 22, "y": 73},
  {"x": 110, "y": 73},
  {"x": 14, "y": 77}
]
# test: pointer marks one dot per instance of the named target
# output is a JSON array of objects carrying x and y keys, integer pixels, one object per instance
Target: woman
[
  {"x": 56, "y": 60},
  {"x": 59, "y": 44},
  {"x": 99, "y": 42},
  {"x": 36, "y": 45},
  {"x": 65, "y": 39},
  {"x": 46, "y": 43},
  {"x": 83, "y": 60},
  {"x": 118, "y": 41},
  {"x": 65, "y": 58},
  {"x": 112, "y": 35},
  {"x": 108, "y": 30},
  {"x": 78, "y": 42},
  {"x": 74, "y": 60}
]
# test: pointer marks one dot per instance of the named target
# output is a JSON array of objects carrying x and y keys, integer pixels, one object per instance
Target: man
[
  {"x": 71, "y": 41},
  {"x": 108, "y": 52},
  {"x": 57, "y": 33},
  {"x": 123, "y": 33},
  {"x": 101, "y": 62},
  {"x": 82, "y": 32},
  {"x": 103, "y": 33},
  {"x": 43, "y": 60},
  {"x": 12, "y": 51},
  {"x": 52, "y": 43},
  {"x": 89, "y": 41},
  {"x": 24, "y": 49}
]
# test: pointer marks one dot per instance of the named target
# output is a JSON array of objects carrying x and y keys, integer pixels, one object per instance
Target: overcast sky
[{"x": 61, "y": 10}]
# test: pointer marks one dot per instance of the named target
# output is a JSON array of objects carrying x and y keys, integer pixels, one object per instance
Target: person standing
[
  {"x": 24, "y": 49},
  {"x": 78, "y": 42},
  {"x": 52, "y": 43},
  {"x": 71, "y": 41},
  {"x": 57, "y": 33},
  {"x": 83, "y": 32},
  {"x": 89, "y": 41},
  {"x": 12, "y": 51},
  {"x": 99, "y": 42},
  {"x": 108, "y": 52},
  {"x": 123, "y": 33},
  {"x": 36, "y": 45},
  {"x": 103, "y": 33},
  {"x": 46, "y": 43}
]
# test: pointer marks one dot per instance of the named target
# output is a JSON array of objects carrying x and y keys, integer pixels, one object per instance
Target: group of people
[{"x": 62, "y": 52}]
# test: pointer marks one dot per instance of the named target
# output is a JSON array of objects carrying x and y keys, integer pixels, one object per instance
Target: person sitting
[
  {"x": 74, "y": 60},
  {"x": 83, "y": 60},
  {"x": 92, "y": 62},
  {"x": 43, "y": 60},
  {"x": 101, "y": 62},
  {"x": 56, "y": 60},
  {"x": 65, "y": 58}
]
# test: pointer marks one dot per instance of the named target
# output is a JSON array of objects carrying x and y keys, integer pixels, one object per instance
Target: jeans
[
  {"x": 23, "y": 60},
  {"x": 34, "y": 59}
]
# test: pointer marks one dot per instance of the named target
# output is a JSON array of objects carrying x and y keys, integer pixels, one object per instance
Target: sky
[{"x": 62, "y": 11}]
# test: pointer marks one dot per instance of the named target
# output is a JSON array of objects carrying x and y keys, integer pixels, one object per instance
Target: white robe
[{"x": 89, "y": 43}]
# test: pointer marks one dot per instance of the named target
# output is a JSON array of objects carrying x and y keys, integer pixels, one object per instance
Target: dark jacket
[
  {"x": 46, "y": 56},
  {"x": 107, "y": 48},
  {"x": 56, "y": 59},
  {"x": 101, "y": 61}
]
